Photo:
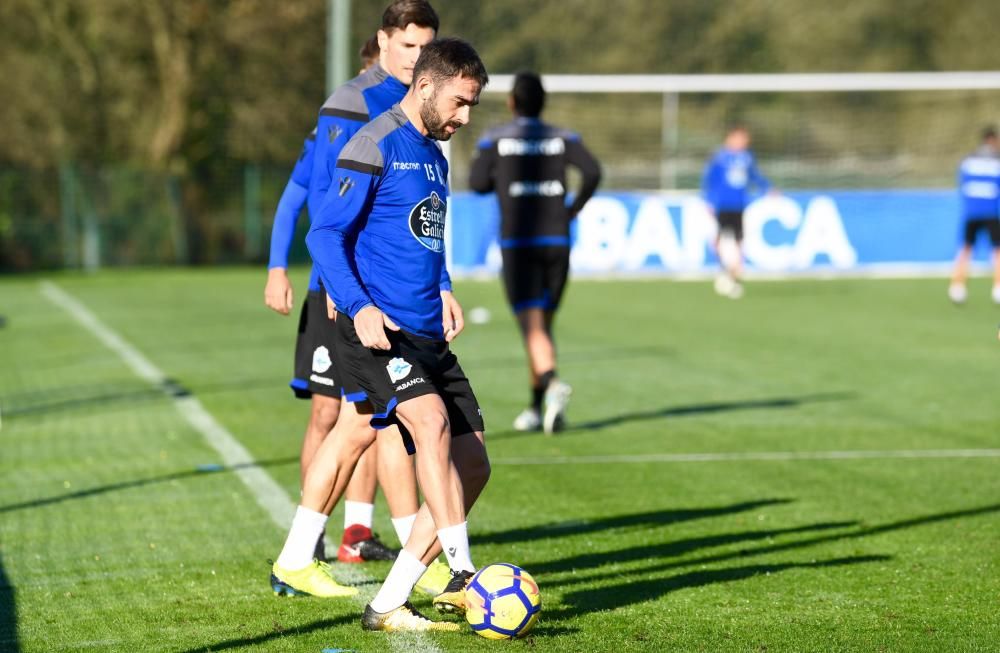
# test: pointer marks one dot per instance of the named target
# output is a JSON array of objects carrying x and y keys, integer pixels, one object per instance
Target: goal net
[
  {"x": 904, "y": 130},
  {"x": 865, "y": 165}
]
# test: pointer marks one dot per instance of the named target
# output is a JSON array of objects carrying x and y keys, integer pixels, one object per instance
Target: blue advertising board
[{"x": 623, "y": 233}]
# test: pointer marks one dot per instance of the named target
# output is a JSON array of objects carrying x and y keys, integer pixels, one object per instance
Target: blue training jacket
[
  {"x": 728, "y": 177},
  {"x": 979, "y": 184},
  {"x": 378, "y": 238},
  {"x": 345, "y": 112},
  {"x": 293, "y": 198}
]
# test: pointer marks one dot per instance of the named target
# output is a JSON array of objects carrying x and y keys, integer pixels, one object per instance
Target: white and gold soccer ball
[{"x": 502, "y": 601}]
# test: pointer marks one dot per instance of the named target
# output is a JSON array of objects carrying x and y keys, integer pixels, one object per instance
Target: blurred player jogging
[
  {"x": 525, "y": 163},
  {"x": 979, "y": 189},
  {"x": 729, "y": 177}
]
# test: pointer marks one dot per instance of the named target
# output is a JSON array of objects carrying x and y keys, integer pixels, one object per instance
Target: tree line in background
[{"x": 190, "y": 91}]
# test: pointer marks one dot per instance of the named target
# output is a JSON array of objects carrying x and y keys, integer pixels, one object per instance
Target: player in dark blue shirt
[
  {"x": 979, "y": 189},
  {"x": 378, "y": 240},
  {"x": 525, "y": 163},
  {"x": 730, "y": 176},
  {"x": 407, "y": 25}
]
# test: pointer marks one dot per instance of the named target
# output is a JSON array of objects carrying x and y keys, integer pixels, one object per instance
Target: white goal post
[
  {"x": 671, "y": 87},
  {"x": 865, "y": 163}
]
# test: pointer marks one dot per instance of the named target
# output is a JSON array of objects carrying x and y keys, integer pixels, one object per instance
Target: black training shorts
[
  {"x": 732, "y": 222},
  {"x": 412, "y": 367},
  {"x": 315, "y": 357},
  {"x": 535, "y": 277},
  {"x": 990, "y": 225}
]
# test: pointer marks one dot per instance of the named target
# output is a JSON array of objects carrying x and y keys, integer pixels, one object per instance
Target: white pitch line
[
  {"x": 751, "y": 456},
  {"x": 265, "y": 490}
]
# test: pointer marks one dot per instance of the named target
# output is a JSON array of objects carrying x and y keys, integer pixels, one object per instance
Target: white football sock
[
  {"x": 455, "y": 542},
  {"x": 404, "y": 526},
  {"x": 405, "y": 573},
  {"x": 356, "y": 512},
  {"x": 307, "y": 527}
]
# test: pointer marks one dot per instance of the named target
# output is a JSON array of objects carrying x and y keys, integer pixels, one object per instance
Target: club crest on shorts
[
  {"x": 321, "y": 360},
  {"x": 398, "y": 369},
  {"x": 427, "y": 222}
]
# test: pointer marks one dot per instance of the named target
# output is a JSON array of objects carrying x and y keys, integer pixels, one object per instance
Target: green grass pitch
[{"x": 112, "y": 540}]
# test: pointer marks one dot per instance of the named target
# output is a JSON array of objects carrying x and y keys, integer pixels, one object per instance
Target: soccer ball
[{"x": 502, "y": 601}]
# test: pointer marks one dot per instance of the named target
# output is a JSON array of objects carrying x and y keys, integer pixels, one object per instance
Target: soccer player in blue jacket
[
  {"x": 979, "y": 188},
  {"x": 729, "y": 177},
  {"x": 378, "y": 240},
  {"x": 407, "y": 25}
]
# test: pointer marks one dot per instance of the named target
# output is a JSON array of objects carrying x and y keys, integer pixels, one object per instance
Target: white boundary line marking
[
  {"x": 752, "y": 456},
  {"x": 265, "y": 490}
]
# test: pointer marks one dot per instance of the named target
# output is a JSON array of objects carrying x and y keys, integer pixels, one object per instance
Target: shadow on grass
[
  {"x": 142, "y": 482},
  {"x": 672, "y": 549},
  {"x": 8, "y": 614},
  {"x": 645, "y": 519},
  {"x": 863, "y": 531},
  {"x": 46, "y": 401},
  {"x": 278, "y": 633},
  {"x": 646, "y": 589},
  {"x": 689, "y": 410},
  {"x": 640, "y": 591}
]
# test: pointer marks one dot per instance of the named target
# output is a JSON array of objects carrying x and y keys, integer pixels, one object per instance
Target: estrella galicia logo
[
  {"x": 398, "y": 369},
  {"x": 427, "y": 222},
  {"x": 333, "y": 131},
  {"x": 346, "y": 183}
]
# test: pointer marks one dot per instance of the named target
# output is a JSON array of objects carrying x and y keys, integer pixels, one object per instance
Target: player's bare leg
[
  {"x": 957, "y": 290},
  {"x": 322, "y": 418},
  {"x": 996, "y": 275},
  {"x": 331, "y": 470},
  {"x": 398, "y": 479},
  {"x": 471, "y": 470},
  {"x": 730, "y": 251},
  {"x": 295, "y": 572},
  {"x": 549, "y": 395},
  {"x": 426, "y": 418},
  {"x": 538, "y": 344},
  {"x": 323, "y": 415}
]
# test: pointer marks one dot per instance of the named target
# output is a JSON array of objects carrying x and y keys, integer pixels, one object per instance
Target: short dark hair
[
  {"x": 369, "y": 52},
  {"x": 989, "y": 133},
  {"x": 447, "y": 58},
  {"x": 405, "y": 12},
  {"x": 528, "y": 94}
]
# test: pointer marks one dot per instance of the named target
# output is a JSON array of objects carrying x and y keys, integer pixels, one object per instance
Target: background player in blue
[
  {"x": 380, "y": 238},
  {"x": 729, "y": 176},
  {"x": 525, "y": 162},
  {"x": 407, "y": 25},
  {"x": 979, "y": 188}
]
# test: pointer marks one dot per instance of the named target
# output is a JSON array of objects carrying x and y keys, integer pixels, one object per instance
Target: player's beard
[{"x": 433, "y": 122}]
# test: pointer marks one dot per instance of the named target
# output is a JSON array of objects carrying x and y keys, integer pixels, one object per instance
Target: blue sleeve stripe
[
  {"x": 343, "y": 113},
  {"x": 360, "y": 166}
]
